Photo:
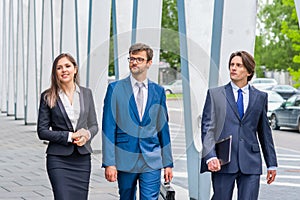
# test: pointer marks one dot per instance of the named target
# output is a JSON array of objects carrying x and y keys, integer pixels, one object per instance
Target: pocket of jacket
[
  {"x": 255, "y": 148},
  {"x": 122, "y": 138}
]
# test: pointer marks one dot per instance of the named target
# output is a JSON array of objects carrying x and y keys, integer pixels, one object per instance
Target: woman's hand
[{"x": 80, "y": 137}]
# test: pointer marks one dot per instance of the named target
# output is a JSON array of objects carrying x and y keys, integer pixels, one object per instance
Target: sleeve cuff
[
  {"x": 272, "y": 168},
  {"x": 70, "y": 137},
  {"x": 212, "y": 158},
  {"x": 89, "y": 135}
]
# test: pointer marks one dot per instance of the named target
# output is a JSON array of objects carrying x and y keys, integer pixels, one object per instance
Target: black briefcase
[{"x": 167, "y": 192}]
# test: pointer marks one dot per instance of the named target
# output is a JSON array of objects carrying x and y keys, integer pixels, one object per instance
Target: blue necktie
[{"x": 240, "y": 103}]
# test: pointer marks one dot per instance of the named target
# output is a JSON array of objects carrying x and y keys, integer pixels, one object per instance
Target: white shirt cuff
[
  {"x": 272, "y": 168},
  {"x": 212, "y": 158},
  {"x": 70, "y": 137}
]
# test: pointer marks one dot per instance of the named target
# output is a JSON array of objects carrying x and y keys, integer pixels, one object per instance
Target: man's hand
[
  {"x": 168, "y": 174},
  {"x": 271, "y": 176},
  {"x": 214, "y": 165},
  {"x": 111, "y": 173}
]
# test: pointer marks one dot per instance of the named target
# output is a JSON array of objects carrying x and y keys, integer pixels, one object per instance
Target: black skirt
[{"x": 69, "y": 175}]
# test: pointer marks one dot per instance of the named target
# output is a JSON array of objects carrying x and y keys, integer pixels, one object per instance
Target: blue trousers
[
  {"x": 247, "y": 185},
  {"x": 149, "y": 185}
]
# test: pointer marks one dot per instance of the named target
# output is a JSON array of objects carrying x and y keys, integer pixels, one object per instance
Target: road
[{"x": 287, "y": 184}]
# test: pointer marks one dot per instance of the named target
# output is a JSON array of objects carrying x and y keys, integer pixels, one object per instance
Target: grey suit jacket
[
  {"x": 221, "y": 119},
  {"x": 54, "y": 124}
]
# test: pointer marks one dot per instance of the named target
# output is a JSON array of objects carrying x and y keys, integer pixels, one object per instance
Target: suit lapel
[
  {"x": 81, "y": 102},
  {"x": 64, "y": 113},
  {"x": 151, "y": 91},
  {"x": 231, "y": 100},
  {"x": 252, "y": 99},
  {"x": 128, "y": 91}
]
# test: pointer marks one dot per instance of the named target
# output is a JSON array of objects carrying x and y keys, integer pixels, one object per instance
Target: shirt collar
[
  {"x": 134, "y": 81},
  {"x": 236, "y": 88},
  {"x": 77, "y": 90}
]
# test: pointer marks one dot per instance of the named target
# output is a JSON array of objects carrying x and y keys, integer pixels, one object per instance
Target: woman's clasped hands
[{"x": 80, "y": 137}]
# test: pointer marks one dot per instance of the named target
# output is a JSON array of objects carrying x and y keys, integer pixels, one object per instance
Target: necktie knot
[
  {"x": 240, "y": 91},
  {"x": 240, "y": 103},
  {"x": 140, "y": 85}
]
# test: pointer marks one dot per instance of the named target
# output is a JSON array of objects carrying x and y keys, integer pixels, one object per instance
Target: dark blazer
[
  {"x": 54, "y": 124},
  {"x": 221, "y": 119},
  {"x": 125, "y": 138}
]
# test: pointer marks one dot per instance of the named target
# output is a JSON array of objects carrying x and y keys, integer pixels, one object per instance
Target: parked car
[
  {"x": 288, "y": 114},
  {"x": 286, "y": 91},
  {"x": 174, "y": 87},
  {"x": 263, "y": 83},
  {"x": 274, "y": 102}
]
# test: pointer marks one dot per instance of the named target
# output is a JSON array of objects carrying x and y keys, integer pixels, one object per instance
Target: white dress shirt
[
  {"x": 245, "y": 90},
  {"x": 72, "y": 110}
]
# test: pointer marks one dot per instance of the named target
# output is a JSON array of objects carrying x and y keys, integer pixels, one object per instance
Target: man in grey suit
[{"x": 238, "y": 110}]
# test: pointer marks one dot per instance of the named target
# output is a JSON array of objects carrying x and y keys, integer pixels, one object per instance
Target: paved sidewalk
[{"x": 22, "y": 167}]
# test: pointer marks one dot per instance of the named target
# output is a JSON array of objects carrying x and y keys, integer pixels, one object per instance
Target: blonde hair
[{"x": 51, "y": 94}]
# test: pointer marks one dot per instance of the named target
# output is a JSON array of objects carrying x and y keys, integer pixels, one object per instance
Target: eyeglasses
[{"x": 138, "y": 60}]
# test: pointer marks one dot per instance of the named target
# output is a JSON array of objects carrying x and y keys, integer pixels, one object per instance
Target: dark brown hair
[
  {"x": 141, "y": 47},
  {"x": 248, "y": 62},
  {"x": 52, "y": 93}
]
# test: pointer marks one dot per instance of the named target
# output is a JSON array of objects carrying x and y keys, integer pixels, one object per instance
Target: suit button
[{"x": 140, "y": 127}]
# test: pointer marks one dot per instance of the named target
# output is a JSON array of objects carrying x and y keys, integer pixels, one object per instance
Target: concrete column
[
  {"x": 4, "y": 56},
  {"x": 1, "y": 47},
  {"x": 68, "y": 28},
  {"x": 98, "y": 57},
  {"x": 238, "y": 32},
  {"x": 195, "y": 22},
  {"x": 20, "y": 82},
  {"x": 56, "y": 17},
  {"x": 38, "y": 30},
  {"x": 11, "y": 60},
  {"x": 47, "y": 49},
  {"x": 199, "y": 17},
  {"x": 25, "y": 40},
  {"x": 82, "y": 19},
  {"x": 124, "y": 13},
  {"x": 149, "y": 30},
  {"x": 31, "y": 106}
]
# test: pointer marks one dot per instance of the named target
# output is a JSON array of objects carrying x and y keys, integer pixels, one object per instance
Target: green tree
[
  {"x": 169, "y": 35},
  {"x": 295, "y": 76},
  {"x": 290, "y": 28},
  {"x": 277, "y": 44}
]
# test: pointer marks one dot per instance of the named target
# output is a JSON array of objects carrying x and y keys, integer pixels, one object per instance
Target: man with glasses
[{"x": 135, "y": 132}]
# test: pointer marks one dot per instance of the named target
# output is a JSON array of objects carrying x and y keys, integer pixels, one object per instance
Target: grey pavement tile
[{"x": 23, "y": 166}]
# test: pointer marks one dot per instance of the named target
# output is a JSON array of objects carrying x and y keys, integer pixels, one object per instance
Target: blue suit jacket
[
  {"x": 54, "y": 124},
  {"x": 125, "y": 138},
  {"x": 221, "y": 119}
]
